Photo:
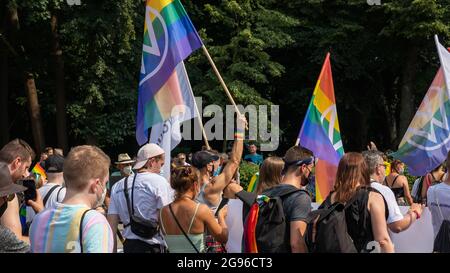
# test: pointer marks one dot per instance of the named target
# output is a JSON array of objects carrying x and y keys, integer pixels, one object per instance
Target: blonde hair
[{"x": 84, "y": 163}]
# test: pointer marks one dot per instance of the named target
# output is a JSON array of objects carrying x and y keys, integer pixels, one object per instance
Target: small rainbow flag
[
  {"x": 39, "y": 170},
  {"x": 320, "y": 132},
  {"x": 169, "y": 38},
  {"x": 253, "y": 183}
]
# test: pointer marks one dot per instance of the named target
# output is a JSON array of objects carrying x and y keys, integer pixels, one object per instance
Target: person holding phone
[
  {"x": 53, "y": 191},
  {"x": 9, "y": 241},
  {"x": 18, "y": 155}
]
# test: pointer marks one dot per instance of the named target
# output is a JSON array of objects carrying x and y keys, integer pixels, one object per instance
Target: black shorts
[{"x": 138, "y": 246}]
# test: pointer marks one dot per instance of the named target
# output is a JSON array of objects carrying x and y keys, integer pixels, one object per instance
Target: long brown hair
[
  {"x": 270, "y": 173},
  {"x": 352, "y": 172}
]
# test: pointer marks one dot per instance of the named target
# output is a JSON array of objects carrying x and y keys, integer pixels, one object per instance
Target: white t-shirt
[
  {"x": 394, "y": 211},
  {"x": 151, "y": 193},
  {"x": 442, "y": 192},
  {"x": 56, "y": 196},
  {"x": 235, "y": 226}
]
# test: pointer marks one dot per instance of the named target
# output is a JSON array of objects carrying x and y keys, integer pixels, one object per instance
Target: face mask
[
  {"x": 306, "y": 179},
  {"x": 217, "y": 172},
  {"x": 3, "y": 208},
  {"x": 102, "y": 199},
  {"x": 401, "y": 171},
  {"x": 128, "y": 170}
]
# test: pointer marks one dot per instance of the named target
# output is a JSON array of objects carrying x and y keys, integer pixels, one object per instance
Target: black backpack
[
  {"x": 326, "y": 230},
  {"x": 442, "y": 240},
  {"x": 265, "y": 227}
]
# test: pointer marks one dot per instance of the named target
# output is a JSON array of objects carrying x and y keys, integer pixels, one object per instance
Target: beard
[{"x": 17, "y": 175}]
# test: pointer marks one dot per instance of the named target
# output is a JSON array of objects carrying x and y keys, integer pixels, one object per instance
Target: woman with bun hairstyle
[{"x": 184, "y": 221}]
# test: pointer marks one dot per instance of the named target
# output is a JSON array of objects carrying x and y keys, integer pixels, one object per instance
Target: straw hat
[{"x": 124, "y": 159}]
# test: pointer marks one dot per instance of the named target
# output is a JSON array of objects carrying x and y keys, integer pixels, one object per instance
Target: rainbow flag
[
  {"x": 249, "y": 234},
  {"x": 253, "y": 183},
  {"x": 320, "y": 132},
  {"x": 169, "y": 38},
  {"x": 427, "y": 140},
  {"x": 39, "y": 170}
]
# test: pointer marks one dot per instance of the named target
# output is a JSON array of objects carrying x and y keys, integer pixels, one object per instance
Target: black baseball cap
[
  {"x": 54, "y": 164},
  {"x": 203, "y": 158}
]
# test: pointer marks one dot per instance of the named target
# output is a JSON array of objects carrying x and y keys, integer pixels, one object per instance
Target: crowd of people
[{"x": 82, "y": 207}]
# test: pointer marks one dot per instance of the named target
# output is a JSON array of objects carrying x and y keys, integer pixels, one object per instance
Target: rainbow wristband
[{"x": 239, "y": 135}]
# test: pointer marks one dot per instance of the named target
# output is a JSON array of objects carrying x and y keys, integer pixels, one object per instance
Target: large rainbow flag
[
  {"x": 169, "y": 38},
  {"x": 427, "y": 140},
  {"x": 320, "y": 132}
]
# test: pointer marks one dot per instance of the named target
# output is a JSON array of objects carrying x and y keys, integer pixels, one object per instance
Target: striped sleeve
[{"x": 97, "y": 234}]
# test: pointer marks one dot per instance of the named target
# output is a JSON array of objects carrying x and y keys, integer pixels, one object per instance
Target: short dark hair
[
  {"x": 295, "y": 153},
  {"x": 16, "y": 148}
]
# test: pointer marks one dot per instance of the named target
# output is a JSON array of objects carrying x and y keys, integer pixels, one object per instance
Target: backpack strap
[
  {"x": 49, "y": 193},
  {"x": 182, "y": 230},
  {"x": 81, "y": 229},
  {"x": 127, "y": 199},
  {"x": 386, "y": 209},
  {"x": 57, "y": 194},
  {"x": 289, "y": 192},
  {"x": 439, "y": 206},
  {"x": 248, "y": 198}
]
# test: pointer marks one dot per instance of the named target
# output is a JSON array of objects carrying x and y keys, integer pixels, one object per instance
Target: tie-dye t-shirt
[{"x": 57, "y": 230}]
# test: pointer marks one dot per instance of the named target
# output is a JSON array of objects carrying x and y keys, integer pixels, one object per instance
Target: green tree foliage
[{"x": 269, "y": 52}]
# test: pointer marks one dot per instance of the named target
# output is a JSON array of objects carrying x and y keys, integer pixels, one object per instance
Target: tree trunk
[
  {"x": 4, "y": 118},
  {"x": 391, "y": 121},
  {"x": 35, "y": 113},
  {"x": 61, "y": 121},
  {"x": 407, "y": 94},
  {"x": 30, "y": 85}
]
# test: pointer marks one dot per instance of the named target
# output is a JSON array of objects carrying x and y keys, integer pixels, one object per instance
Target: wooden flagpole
[{"x": 222, "y": 82}]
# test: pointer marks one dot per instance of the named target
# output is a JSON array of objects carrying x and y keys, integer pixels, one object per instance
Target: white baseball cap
[{"x": 145, "y": 153}]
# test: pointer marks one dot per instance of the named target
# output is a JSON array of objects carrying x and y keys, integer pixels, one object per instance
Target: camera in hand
[{"x": 30, "y": 192}]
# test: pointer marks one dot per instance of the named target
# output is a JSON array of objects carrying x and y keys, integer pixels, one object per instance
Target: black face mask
[
  {"x": 306, "y": 180},
  {"x": 3, "y": 208}
]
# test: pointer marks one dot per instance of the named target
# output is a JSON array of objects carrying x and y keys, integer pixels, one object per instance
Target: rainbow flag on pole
[
  {"x": 427, "y": 140},
  {"x": 169, "y": 38},
  {"x": 320, "y": 132}
]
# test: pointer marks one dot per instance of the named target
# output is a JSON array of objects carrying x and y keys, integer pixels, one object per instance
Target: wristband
[{"x": 239, "y": 135}]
